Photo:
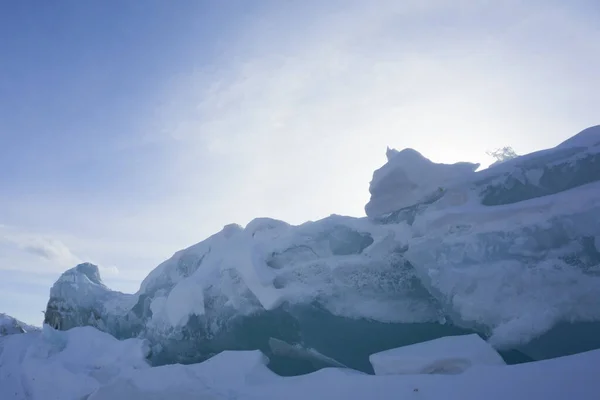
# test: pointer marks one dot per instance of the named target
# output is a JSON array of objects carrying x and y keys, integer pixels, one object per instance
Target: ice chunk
[
  {"x": 517, "y": 269},
  {"x": 281, "y": 348},
  {"x": 80, "y": 298},
  {"x": 447, "y": 355},
  {"x": 409, "y": 178}
]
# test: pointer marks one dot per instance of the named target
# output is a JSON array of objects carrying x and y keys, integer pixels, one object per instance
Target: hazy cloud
[
  {"x": 295, "y": 116},
  {"x": 41, "y": 246},
  {"x": 51, "y": 250}
]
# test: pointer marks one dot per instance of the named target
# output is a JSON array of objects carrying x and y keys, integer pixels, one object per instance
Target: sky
[{"x": 132, "y": 129}]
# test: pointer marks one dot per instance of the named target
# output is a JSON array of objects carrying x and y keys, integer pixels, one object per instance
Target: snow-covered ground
[{"x": 84, "y": 363}]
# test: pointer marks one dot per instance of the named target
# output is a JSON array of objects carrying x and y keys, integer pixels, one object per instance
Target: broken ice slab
[{"x": 446, "y": 355}]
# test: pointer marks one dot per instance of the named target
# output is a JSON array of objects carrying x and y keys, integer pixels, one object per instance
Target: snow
[
  {"x": 84, "y": 363},
  {"x": 65, "y": 365},
  {"x": 446, "y": 355}
]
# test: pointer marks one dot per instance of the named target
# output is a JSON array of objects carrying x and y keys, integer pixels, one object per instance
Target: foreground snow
[{"x": 84, "y": 363}]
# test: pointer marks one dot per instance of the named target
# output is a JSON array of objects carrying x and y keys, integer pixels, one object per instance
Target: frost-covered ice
[
  {"x": 409, "y": 178},
  {"x": 510, "y": 252},
  {"x": 11, "y": 326},
  {"x": 446, "y": 355},
  {"x": 84, "y": 363},
  {"x": 80, "y": 298},
  {"x": 518, "y": 269}
]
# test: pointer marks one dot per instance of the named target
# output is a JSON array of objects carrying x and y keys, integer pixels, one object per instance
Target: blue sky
[{"x": 130, "y": 129}]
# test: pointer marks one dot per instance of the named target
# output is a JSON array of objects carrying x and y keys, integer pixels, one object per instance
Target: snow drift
[{"x": 511, "y": 252}]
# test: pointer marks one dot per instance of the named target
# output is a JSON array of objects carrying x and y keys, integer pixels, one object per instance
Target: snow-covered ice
[
  {"x": 510, "y": 252},
  {"x": 446, "y": 355}
]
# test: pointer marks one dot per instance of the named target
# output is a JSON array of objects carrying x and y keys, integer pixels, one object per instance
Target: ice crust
[{"x": 510, "y": 252}]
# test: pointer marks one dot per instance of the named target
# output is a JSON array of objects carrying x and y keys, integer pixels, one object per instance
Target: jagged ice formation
[{"x": 511, "y": 252}]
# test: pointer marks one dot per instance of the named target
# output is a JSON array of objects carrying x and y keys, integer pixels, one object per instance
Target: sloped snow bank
[{"x": 446, "y": 355}]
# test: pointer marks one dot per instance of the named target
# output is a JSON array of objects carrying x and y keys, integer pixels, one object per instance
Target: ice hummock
[
  {"x": 509, "y": 252},
  {"x": 446, "y": 355},
  {"x": 80, "y": 298}
]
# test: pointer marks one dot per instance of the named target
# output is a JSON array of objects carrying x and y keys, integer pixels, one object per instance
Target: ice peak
[
  {"x": 407, "y": 178},
  {"x": 389, "y": 153},
  {"x": 90, "y": 271}
]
